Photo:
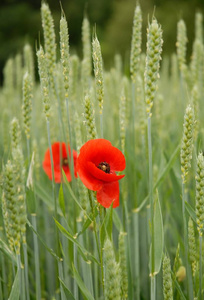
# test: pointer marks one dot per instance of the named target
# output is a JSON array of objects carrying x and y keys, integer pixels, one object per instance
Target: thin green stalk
[
  {"x": 101, "y": 124},
  {"x": 21, "y": 278},
  {"x": 26, "y": 271},
  {"x": 61, "y": 126},
  {"x": 28, "y": 147},
  {"x": 70, "y": 140},
  {"x": 96, "y": 274},
  {"x": 133, "y": 116},
  {"x": 96, "y": 237},
  {"x": 19, "y": 273},
  {"x": 129, "y": 256},
  {"x": 61, "y": 275},
  {"x": 53, "y": 189},
  {"x": 136, "y": 250},
  {"x": 94, "y": 221},
  {"x": 200, "y": 266},
  {"x": 4, "y": 277},
  {"x": 36, "y": 254},
  {"x": 153, "y": 279},
  {"x": 76, "y": 291},
  {"x": 85, "y": 266},
  {"x": 153, "y": 287},
  {"x": 189, "y": 277},
  {"x": 52, "y": 167},
  {"x": 135, "y": 215},
  {"x": 102, "y": 215},
  {"x": 50, "y": 266}
]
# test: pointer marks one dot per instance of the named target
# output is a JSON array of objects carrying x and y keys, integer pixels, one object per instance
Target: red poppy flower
[
  {"x": 96, "y": 165},
  {"x": 60, "y": 160}
]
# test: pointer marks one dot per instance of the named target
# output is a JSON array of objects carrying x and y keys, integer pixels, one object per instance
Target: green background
[{"x": 20, "y": 22}]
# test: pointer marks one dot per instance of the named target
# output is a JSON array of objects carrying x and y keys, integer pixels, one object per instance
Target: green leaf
[
  {"x": 168, "y": 166},
  {"x": 162, "y": 176},
  {"x": 44, "y": 196},
  {"x": 102, "y": 233},
  {"x": 109, "y": 221},
  {"x": 87, "y": 295},
  {"x": 30, "y": 201},
  {"x": 87, "y": 256},
  {"x": 117, "y": 221},
  {"x": 158, "y": 235},
  {"x": 42, "y": 241},
  {"x": 142, "y": 204},
  {"x": 61, "y": 200},
  {"x": 182, "y": 297},
  {"x": 15, "y": 291},
  {"x": 191, "y": 211},
  {"x": 88, "y": 222},
  {"x": 72, "y": 194},
  {"x": 107, "y": 225},
  {"x": 67, "y": 292}
]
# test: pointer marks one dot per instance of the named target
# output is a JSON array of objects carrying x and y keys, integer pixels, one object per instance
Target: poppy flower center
[
  {"x": 65, "y": 162},
  {"x": 104, "y": 166}
]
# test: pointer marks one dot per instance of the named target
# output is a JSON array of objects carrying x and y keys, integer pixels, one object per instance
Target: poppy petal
[
  {"x": 100, "y": 150},
  {"x": 56, "y": 153},
  {"x": 109, "y": 193},
  {"x": 48, "y": 171},
  {"x": 58, "y": 150},
  {"x": 88, "y": 180},
  {"x": 99, "y": 174}
]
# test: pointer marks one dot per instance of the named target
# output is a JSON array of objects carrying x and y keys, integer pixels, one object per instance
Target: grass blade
[
  {"x": 85, "y": 254},
  {"x": 42, "y": 241},
  {"x": 15, "y": 291},
  {"x": 87, "y": 295}
]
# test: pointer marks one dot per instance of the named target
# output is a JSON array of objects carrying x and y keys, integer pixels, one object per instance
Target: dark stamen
[
  {"x": 104, "y": 166},
  {"x": 65, "y": 162}
]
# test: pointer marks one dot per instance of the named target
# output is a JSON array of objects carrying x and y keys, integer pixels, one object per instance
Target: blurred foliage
[{"x": 20, "y": 22}]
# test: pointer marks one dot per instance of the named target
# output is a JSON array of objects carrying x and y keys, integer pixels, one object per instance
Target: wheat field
[{"x": 102, "y": 171}]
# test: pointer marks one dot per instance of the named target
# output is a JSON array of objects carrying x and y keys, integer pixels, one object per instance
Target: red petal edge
[
  {"x": 56, "y": 159},
  {"x": 109, "y": 193}
]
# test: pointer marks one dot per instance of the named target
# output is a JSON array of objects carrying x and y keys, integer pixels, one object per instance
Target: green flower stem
[
  {"x": 76, "y": 291},
  {"x": 126, "y": 228},
  {"x": 189, "y": 277},
  {"x": 52, "y": 167},
  {"x": 53, "y": 188},
  {"x": 135, "y": 215},
  {"x": 4, "y": 277},
  {"x": 137, "y": 253},
  {"x": 28, "y": 147},
  {"x": 50, "y": 266},
  {"x": 133, "y": 114},
  {"x": 21, "y": 278},
  {"x": 36, "y": 254},
  {"x": 96, "y": 239},
  {"x": 153, "y": 287},
  {"x": 70, "y": 140},
  {"x": 96, "y": 275},
  {"x": 85, "y": 267},
  {"x": 102, "y": 213},
  {"x": 200, "y": 266},
  {"x": 101, "y": 124},
  {"x": 153, "y": 279},
  {"x": 26, "y": 270},
  {"x": 61, "y": 275}
]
